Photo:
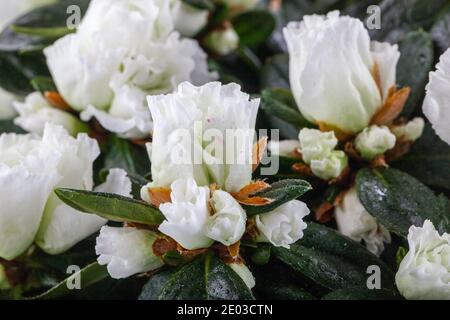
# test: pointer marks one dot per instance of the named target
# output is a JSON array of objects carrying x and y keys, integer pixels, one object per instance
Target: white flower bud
[
  {"x": 374, "y": 141},
  {"x": 227, "y": 224},
  {"x": 127, "y": 251},
  {"x": 315, "y": 144},
  {"x": 223, "y": 41},
  {"x": 331, "y": 70},
  {"x": 331, "y": 166},
  {"x": 356, "y": 223},
  {"x": 284, "y": 225},
  {"x": 283, "y": 148},
  {"x": 436, "y": 105},
  {"x": 187, "y": 215},
  {"x": 410, "y": 131},
  {"x": 244, "y": 272},
  {"x": 424, "y": 273},
  {"x": 35, "y": 112}
]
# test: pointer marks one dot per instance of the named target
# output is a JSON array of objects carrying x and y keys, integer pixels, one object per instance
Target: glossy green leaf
[
  {"x": 399, "y": 200},
  {"x": 362, "y": 294},
  {"x": 331, "y": 260},
  {"x": 206, "y": 278},
  {"x": 280, "y": 192},
  {"x": 111, "y": 206}
]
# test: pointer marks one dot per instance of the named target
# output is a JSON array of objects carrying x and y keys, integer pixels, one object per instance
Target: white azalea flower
[
  {"x": 436, "y": 105},
  {"x": 188, "y": 20},
  {"x": 284, "y": 225},
  {"x": 35, "y": 112},
  {"x": 244, "y": 272},
  {"x": 331, "y": 166},
  {"x": 283, "y": 148},
  {"x": 115, "y": 65},
  {"x": 411, "y": 131},
  {"x": 356, "y": 223},
  {"x": 187, "y": 215},
  {"x": 227, "y": 225},
  {"x": 30, "y": 168},
  {"x": 223, "y": 41},
  {"x": 205, "y": 133},
  {"x": 424, "y": 273},
  {"x": 374, "y": 140},
  {"x": 126, "y": 251},
  {"x": 315, "y": 144},
  {"x": 331, "y": 70}
]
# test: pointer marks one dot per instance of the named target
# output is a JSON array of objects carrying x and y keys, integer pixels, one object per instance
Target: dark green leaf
[
  {"x": 261, "y": 255},
  {"x": 8, "y": 126},
  {"x": 280, "y": 192},
  {"x": 274, "y": 290},
  {"x": 398, "y": 200},
  {"x": 362, "y": 294},
  {"x": 201, "y": 4},
  {"x": 43, "y": 84},
  {"x": 417, "y": 56},
  {"x": 281, "y": 104},
  {"x": 206, "y": 278},
  {"x": 88, "y": 276},
  {"x": 332, "y": 260},
  {"x": 428, "y": 160},
  {"x": 111, "y": 206},
  {"x": 275, "y": 73},
  {"x": 253, "y": 27}
]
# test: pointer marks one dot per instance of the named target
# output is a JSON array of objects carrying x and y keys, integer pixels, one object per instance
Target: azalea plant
[{"x": 217, "y": 149}]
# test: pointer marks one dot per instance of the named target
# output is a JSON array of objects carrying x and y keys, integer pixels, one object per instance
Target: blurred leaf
[
  {"x": 275, "y": 73},
  {"x": 399, "y": 201},
  {"x": 441, "y": 32},
  {"x": 201, "y": 4},
  {"x": 8, "y": 126},
  {"x": 88, "y": 276},
  {"x": 280, "y": 103},
  {"x": 417, "y": 57},
  {"x": 43, "y": 84},
  {"x": 428, "y": 160},
  {"x": 111, "y": 206},
  {"x": 206, "y": 278},
  {"x": 280, "y": 192},
  {"x": 253, "y": 27},
  {"x": 331, "y": 260}
]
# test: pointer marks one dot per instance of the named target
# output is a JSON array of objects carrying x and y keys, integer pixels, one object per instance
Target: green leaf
[
  {"x": 281, "y": 104},
  {"x": 111, "y": 206},
  {"x": 280, "y": 192},
  {"x": 253, "y": 27},
  {"x": 43, "y": 84},
  {"x": 206, "y": 278},
  {"x": 362, "y": 294},
  {"x": 399, "y": 201},
  {"x": 275, "y": 73},
  {"x": 428, "y": 160},
  {"x": 261, "y": 255},
  {"x": 417, "y": 58},
  {"x": 8, "y": 126},
  {"x": 89, "y": 275},
  {"x": 331, "y": 260},
  {"x": 274, "y": 290},
  {"x": 201, "y": 4}
]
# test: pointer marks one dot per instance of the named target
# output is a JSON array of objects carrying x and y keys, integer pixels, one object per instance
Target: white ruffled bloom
[
  {"x": 424, "y": 273},
  {"x": 315, "y": 144},
  {"x": 331, "y": 64},
  {"x": 187, "y": 215},
  {"x": 188, "y": 20},
  {"x": 411, "y": 131},
  {"x": 284, "y": 225},
  {"x": 283, "y": 148},
  {"x": 115, "y": 65},
  {"x": 374, "y": 141},
  {"x": 356, "y": 223},
  {"x": 436, "y": 105},
  {"x": 244, "y": 272},
  {"x": 227, "y": 224},
  {"x": 127, "y": 251},
  {"x": 30, "y": 168},
  {"x": 205, "y": 133},
  {"x": 331, "y": 166},
  {"x": 223, "y": 41},
  {"x": 35, "y": 112}
]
